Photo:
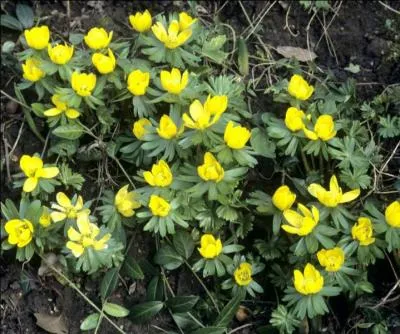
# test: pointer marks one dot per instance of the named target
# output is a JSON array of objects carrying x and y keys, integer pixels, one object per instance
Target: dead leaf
[
  {"x": 300, "y": 54},
  {"x": 51, "y": 324}
]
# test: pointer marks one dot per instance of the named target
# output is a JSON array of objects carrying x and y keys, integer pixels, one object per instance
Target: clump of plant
[{"x": 182, "y": 136}]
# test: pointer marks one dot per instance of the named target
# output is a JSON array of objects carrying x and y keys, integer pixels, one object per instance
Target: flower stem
[{"x": 305, "y": 162}]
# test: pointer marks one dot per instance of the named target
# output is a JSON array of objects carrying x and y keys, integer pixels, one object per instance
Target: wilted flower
[
  {"x": 141, "y": 22},
  {"x": 37, "y": 37},
  {"x": 20, "y": 232},
  {"x": 104, "y": 64},
  {"x": 66, "y": 209},
  {"x": 324, "y": 129},
  {"x": 126, "y": 201},
  {"x": 185, "y": 21},
  {"x": 236, "y": 137},
  {"x": 34, "y": 170},
  {"x": 138, "y": 82},
  {"x": 333, "y": 196},
  {"x": 98, "y": 38},
  {"x": 174, "y": 37},
  {"x": 294, "y": 119},
  {"x": 61, "y": 107},
  {"x": 301, "y": 225},
  {"x": 159, "y": 206},
  {"x": 85, "y": 237},
  {"x": 211, "y": 170},
  {"x": 331, "y": 259},
  {"x": 174, "y": 82},
  {"x": 243, "y": 273},
  {"x": 392, "y": 214},
  {"x": 363, "y": 231},
  {"x": 210, "y": 247},
  {"x": 139, "y": 128},
  {"x": 299, "y": 88},
  {"x": 309, "y": 283},
  {"x": 283, "y": 198},
  {"x": 83, "y": 83},
  {"x": 32, "y": 71},
  {"x": 60, "y": 54},
  {"x": 160, "y": 175}
]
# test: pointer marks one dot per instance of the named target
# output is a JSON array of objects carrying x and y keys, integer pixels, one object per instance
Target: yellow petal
[
  {"x": 49, "y": 172},
  {"x": 72, "y": 113},
  {"x": 350, "y": 195},
  {"x": 73, "y": 234},
  {"x": 293, "y": 217},
  {"x": 77, "y": 249},
  {"x": 52, "y": 112},
  {"x": 30, "y": 184},
  {"x": 315, "y": 189},
  {"x": 63, "y": 200},
  {"x": 57, "y": 216}
]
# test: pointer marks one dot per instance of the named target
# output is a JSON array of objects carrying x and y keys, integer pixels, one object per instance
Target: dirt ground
[{"x": 358, "y": 34}]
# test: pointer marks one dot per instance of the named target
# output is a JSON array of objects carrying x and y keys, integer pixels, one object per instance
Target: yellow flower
[
  {"x": 173, "y": 38},
  {"x": 104, "y": 64},
  {"x": 202, "y": 117},
  {"x": 294, "y": 119},
  {"x": 392, "y": 214},
  {"x": 236, "y": 137},
  {"x": 45, "y": 219},
  {"x": 167, "y": 128},
  {"x": 61, "y": 107},
  {"x": 85, "y": 237},
  {"x": 60, "y": 54},
  {"x": 173, "y": 82},
  {"x": 139, "y": 128},
  {"x": 334, "y": 196},
  {"x": 301, "y": 224},
  {"x": 310, "y": 283},
  {"x": 283, "y": 198},
  {"x": 32, "y": 71},
  {"x": 66, "y": 209},
  {"x": 362, "y": 231},
  {"x": 20, "y": 232},
  {"x": 217, "y": 104},
  {"x": 141, "y": 22},
  {"x": 243, "y": 273},
  {"x": 210, "y": 247},
  {"x": 138, "y": 82},
  {"x": 160, "y": 175},
  {"x": 324, "y": 129},
  {"x": 83, "y": 83},
  {"x": 34, "y": 170},
  {"x": 299, "y": 88},
  {"x": 159, "y": 206},
  {"x": 37, "y": 37},
  {"x": 126, "y": 202},
  {"x": 185, "y": 21},
  {"x": 98, "y": 38},
  {"x": 211, "y": 170},
  {"x": 331, "y": 259}
]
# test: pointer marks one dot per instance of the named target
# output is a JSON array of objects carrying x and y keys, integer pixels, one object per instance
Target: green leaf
[
  {"x": 133, "y": 269},
  {"x": 25, "y": 15},
  {"x": 168, "y": 257},
  {"x": 108, "y": 283},
  {"x": 209, "y": 330},
  {"x": 182, "y": 303},
  {"x": 229, "y": 311},
  {"x": 90, "y": 322},
  {"x": 76, "y": 38},
  {"x": 155, "y": 289},
  {"x": 115, "y": 310},
  {"x": 143, "y": 312},
  {"x": 243, "y": 57},
  {"x": 212, "y": 49},
  {"x": 10, "y": 22},
  {"x": 183, "y": 243},
  {"x": 70, "y": 131},
  {"x": 261, "y": 144}
]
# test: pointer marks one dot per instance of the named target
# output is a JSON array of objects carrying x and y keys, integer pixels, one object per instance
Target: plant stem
[
  {"x": 305, "y": 162},
  {"x": 72, "y": 284},
  {"x": 204, "y": 286}
]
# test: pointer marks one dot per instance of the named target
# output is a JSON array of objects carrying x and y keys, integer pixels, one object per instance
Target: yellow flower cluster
[
  {"x": 61, "y": 108},
  {"x": 31, "y": 70},
  {"x": 310, "y": 282},
  {"x": 20, "y": 232},
  {"x": 363, "y": 231},
  {"x": 283, "y": 198},
  {"x": 210, "y": 170},
  {"x": 301, "y": 224},
  {"x": 160, "y": 175},
  {"x": 331, "y": 259},
  {"x": 243, "y": 273},
  {"x": 67, "y": 210},
  {"x": 392, "y": 214},
  {"x": 159, "y": 206},
  {"x": 139, "y": 128}
]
